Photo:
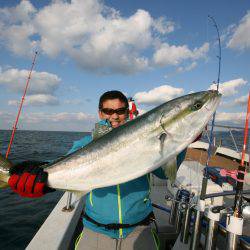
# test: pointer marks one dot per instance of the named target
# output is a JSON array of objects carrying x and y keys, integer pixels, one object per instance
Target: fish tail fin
[{"x": 5, "y": 165}]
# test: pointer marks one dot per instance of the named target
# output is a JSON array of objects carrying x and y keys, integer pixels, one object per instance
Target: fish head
[{"x": 183, "y": 119}]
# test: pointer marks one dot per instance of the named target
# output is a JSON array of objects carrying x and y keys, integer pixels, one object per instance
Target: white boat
[{"x": 59, "y": 229}]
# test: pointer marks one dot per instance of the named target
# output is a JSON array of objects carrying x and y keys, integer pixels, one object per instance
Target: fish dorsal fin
[{"x": 100, "y": 130}]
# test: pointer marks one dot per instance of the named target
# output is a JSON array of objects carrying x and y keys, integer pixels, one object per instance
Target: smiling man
[
  {"x": 117, "y": 217},
  {"x": 113, "y": 106}
]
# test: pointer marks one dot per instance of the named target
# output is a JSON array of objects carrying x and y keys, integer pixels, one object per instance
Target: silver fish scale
[{"x": 134, "y": 148}]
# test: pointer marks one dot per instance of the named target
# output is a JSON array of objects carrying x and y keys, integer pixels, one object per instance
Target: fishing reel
[{"x": 180, "y": 209}]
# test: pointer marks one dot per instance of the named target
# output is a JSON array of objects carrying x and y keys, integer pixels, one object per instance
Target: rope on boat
[{"x": 20, "y": 107}]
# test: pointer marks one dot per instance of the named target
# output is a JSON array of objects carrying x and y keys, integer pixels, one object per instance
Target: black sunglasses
[{"x": 120, "y": 111}]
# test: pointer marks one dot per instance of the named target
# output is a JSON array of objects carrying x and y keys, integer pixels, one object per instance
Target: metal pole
[
  {"x": 68, "y": 207},
  {"x": 195, "y": 239},
  {"x": 211, "y": 235},
  {"x": 179, "y": 215},
  {"x": 172, "y": 216},
  {"x": 69, "y": 199},
  {"x": 196, "y": 234},
  {"x": 232, "y": 241},
  {"x": 174, "y": 206},
  {"x": 213, "y": 216},
  {"x": 233, "y": 140},
  {"x": 234, "y": 229},
  {"x": 185, "y": 225}
]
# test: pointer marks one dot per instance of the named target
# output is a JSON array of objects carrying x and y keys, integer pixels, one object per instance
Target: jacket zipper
[{"x": 119, "y": 209}]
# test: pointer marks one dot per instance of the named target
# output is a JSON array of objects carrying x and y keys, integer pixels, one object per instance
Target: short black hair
[{"x": 113, "y": 94}]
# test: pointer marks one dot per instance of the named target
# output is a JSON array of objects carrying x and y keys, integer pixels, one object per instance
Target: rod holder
[
  {"x": 185, "y": 226},
  {"x": 196, "y": 234},
  {"x": 179, "y": 216},
  {"x": 213, "y": 216},
  {"x": 172, "y": 216},
  {"x": 234, "y": 230}
]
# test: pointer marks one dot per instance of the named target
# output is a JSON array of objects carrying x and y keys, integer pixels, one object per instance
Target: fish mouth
[{"x": 214, "y": 100}]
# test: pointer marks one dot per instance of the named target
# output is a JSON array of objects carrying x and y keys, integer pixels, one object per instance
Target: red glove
[{"x": 29, "y": 181}]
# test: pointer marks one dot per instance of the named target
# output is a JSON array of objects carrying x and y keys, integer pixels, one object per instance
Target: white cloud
[
  {"x": 163, "y": 26},
  {"x": 231, "y": 117},
  {"x": 229, "y": 88},
  {"x": 158, "y": 95},
  {"x": 64, "y": 121},
  {"x": 98, "y": 38},
  {"x": 174, "y": 55},
  {"x": 241, "y": 101},
  {"x": 40, "y": 83},
  {"x": 226, "y": 33},
  {"x": 16, "y": 28},
  {"x": 89, "y": 34},
  {"x": 241, "y": 36},
  {"x": 74, "y": 101},
  {"x": 37, "y": 100},
  {"x": 60, "y": 117},
  {"x": 187, "y": 68},
  {"x": 20, "y": 13},
  {"x": 57, "y": 117}
]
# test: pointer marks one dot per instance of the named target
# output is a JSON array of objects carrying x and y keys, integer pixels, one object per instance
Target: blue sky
[{"x": 151, "y": 50}]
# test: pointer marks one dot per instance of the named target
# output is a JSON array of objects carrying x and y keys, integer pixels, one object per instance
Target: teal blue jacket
[{"x": 126, "y": 203}]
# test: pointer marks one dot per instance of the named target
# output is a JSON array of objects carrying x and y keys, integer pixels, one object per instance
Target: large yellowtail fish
[{"x": 133, "y": 149}]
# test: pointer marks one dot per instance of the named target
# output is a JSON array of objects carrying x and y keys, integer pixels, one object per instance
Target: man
[{"x": 116, "y": 217}]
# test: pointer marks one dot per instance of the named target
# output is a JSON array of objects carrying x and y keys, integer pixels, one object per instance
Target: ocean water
[{"x": 20, "y": 218}]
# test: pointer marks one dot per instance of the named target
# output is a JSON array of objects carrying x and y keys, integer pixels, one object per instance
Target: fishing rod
[
  {"x": 241, "y": 169},
  {"x": 205, "y": 177},
  {"x": 200, "y": 207},
  {"x": 234, "y": 226},
  {"x": 20, "y": 107}
]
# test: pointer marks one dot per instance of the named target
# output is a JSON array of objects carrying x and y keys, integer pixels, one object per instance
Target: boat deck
[{"x": 200, "y": 155}]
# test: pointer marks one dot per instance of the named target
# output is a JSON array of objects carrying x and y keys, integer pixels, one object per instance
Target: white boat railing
[{"x": 58, "y": 229}]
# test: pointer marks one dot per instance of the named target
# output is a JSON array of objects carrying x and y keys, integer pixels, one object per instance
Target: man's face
[{"x": 115, "y": 119}]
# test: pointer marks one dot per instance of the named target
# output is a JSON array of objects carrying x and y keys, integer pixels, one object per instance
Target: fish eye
[{"x": 197, "y": 105}]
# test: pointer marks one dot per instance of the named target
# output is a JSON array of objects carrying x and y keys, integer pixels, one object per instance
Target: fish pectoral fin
[{"x": 162, "y": 139}]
